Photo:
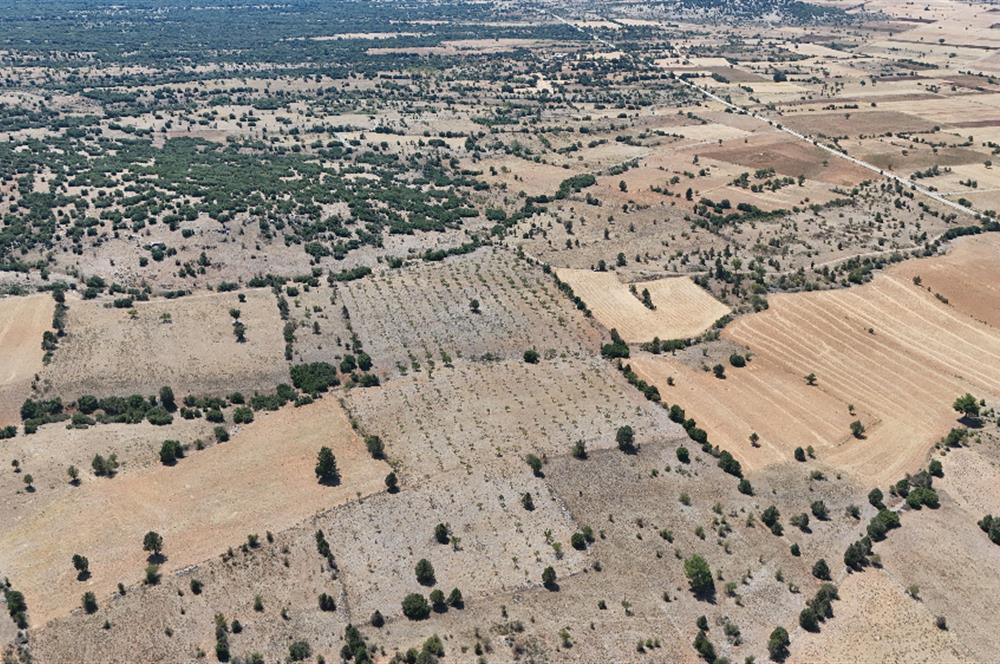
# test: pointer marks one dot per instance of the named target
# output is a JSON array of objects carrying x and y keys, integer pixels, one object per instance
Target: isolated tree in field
[
  {"x": 89, "y": 602},
  {"x": 857, "y": 429},
  {"x": 821, "y": 570},
  {"x": 625, "y": 437},
  {"x": 455, "y": 599},
  {"x": 425, "y": 572},
  {"x": 531, "y": 356},
  {"x": 810, "y": 379},
  {"x": 682, "y": 455},
  {"x": 474, "y": 305},
  {"x": 800, "y": 454},
  {"x": 719, "y": 371},
  {"x": 29, "y": 483},
  {"x": 527, "y": 502},
  {"x": 415, "y": 607},
  {"x": 579, "y": 450},
  {"x": 549, "y": 578},
  {"x": 819, "y": 510},
  {"x": 699, "y": 576},
  {"x": 777, "y": 644},
  {"x": 392, "y": 483},
  {"x": 170, "y": 452},
  {"x": 326, "y": 467},
  {"x": 968, "y": 406},
  {"x": 74, "y": 475},
  {"x": 152, "y": 542},
  {"x": 82, "y": 566},
  {"x": 535, "y": 464}
]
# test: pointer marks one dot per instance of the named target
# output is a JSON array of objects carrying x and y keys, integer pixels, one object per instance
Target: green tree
[
  {"x": 326, "y": 467},
  {"x": 821, "y": 570},
  {"x": 531, "y": 356},
  {"x": 549, "y": 578},
  {"x": 425, "y": 572},
  {"x": 704, "y": 647},
  {"x": 152, "y": 542},
  {"x": 167, "y": 399},
  {"x": 535, "y": 464},
  {"x": 777, "y": 644},
  {"x": 968, "y": 406},
  {"x": 82, "y": 566},
  {"x": 625, "y": 437},
  {"x": 392, "y": 483},
  {"x": 375, "y": 446},
  {"x": 415, "y": 607},
  {"x": 89, "y": 602},
  {"x": 699, "y": 576}
]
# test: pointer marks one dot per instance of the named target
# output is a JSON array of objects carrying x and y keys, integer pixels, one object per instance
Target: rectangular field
[{"x": 22, "y": 322}]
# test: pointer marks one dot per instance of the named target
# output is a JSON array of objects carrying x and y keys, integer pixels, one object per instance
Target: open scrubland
[{"x": 471, "y": 332}]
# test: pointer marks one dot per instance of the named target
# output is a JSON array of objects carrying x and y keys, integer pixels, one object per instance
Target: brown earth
[
  {"x": 683, "y": 309},
  {"x": 261, "y": 480},
  {"x": 22, "y": 322}
]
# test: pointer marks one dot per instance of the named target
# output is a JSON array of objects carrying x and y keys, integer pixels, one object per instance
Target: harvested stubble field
[
  {"x": 683, "y": 309},
  {"x": 187, "y": 343},
  {"x": 889, "y": 349},
  {"x": 261, "y": 480},
  {"x": 419, "y": 314},
  {"x": 22, "y": 322}
]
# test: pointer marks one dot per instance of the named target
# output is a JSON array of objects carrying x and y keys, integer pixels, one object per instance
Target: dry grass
[
  {"x": 683, "y": 309},
  {"x": 22, "y": 322},
  {"x": 261, "y": 480}
]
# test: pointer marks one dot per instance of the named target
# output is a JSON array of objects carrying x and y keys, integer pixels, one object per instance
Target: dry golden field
[
  {"x": 22, "y": 322},
  {"x": 683, "y": 309}
]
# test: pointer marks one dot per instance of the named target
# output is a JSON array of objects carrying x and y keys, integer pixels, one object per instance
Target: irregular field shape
[
  {"x": 901, "y": 377},
  {"x": 683, "y": 309},
  {"x": 261, "y": 480},
  {"x": 23, "y": 320}
]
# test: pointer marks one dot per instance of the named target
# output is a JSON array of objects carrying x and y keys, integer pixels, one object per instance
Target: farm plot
[
  {"x": 170, "y": 623},
  {"x": 790, "y": 157},
  {"x": 966, "y": 277},
  {"x": 262, "y": 480},
  {"x": 449, "y": 418},
  {"x": 187, "y": 343},
  {"x": 682, "y": 310},
  {"x": 733, "y": 409},
  {"x": 854, "y": 123},
  {"x": 424, "y": 314},
  {"x": 22, "y": 322},
  {"x": 496, "y": 544},
  {"x": 888, "y": 348},
  {"x": 321, "y": 333}
]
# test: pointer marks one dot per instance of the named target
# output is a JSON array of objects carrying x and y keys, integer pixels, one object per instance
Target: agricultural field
[{"x": 428, "y": 333}]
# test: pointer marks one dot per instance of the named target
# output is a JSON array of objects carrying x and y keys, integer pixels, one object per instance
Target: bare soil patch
[
  {"x": 186, "y": 343},
  {"x": 683, "y": 309},
  {"x": 261, "y": 480},
  {"x": 22, "y": 322}
]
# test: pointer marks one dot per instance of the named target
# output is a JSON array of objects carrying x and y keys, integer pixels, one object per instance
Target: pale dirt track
[
  {"x": 889, "y": 348},
  {"x": 683, "y": 309},
  {"x": 263, "y": 479},
  {"x": 22, "y": 322}
]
